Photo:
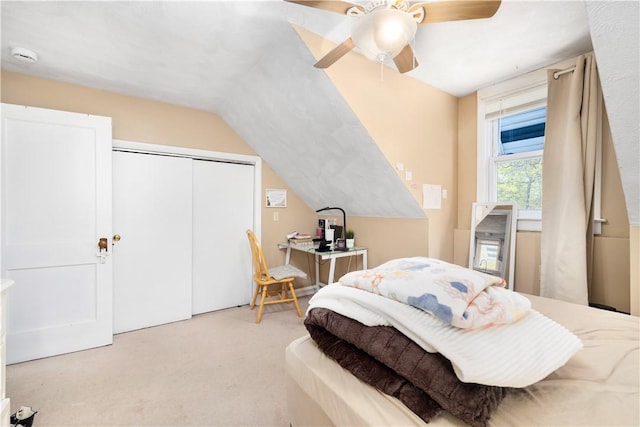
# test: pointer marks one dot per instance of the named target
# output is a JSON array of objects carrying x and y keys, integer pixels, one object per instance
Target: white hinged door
[{"x": 56, "y": 206}]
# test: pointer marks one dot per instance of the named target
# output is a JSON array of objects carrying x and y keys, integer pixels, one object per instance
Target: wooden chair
[{"x": 283, "y": 276}]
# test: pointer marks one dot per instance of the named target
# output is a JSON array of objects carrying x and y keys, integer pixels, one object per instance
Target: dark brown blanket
[{"x": 386, "y": 359}]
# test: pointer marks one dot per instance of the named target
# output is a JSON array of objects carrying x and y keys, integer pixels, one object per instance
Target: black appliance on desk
[
  {"x": 338, "y": 235},
  {"x": 323, "y": 245},
  {"x": 339, "y": 244}
]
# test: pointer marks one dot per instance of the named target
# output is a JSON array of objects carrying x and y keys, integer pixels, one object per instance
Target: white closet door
[
  {"x": 223, "y": 197},
  {"x": 152, "y": 213},
  {"x": 56, "y": 205}
]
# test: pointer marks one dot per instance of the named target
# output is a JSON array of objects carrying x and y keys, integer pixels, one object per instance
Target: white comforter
[{"x": 512, "y": 355}]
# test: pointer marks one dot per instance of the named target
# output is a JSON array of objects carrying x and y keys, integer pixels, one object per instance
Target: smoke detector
[{"x": 24, "y": 55}]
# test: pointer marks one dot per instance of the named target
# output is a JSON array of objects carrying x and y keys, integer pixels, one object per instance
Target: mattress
[{"x": 598, "y": 386}]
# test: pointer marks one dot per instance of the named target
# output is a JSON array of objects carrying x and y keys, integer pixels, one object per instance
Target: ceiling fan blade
[
  {"x": 332, "y": 6},
  {"x": 405, "y": 60},
  {"x": 335, "y": 54},
  {"x": 455, "y": 10}
]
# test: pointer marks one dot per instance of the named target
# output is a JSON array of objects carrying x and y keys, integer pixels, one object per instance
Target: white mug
[{"x": 328, "y": 234}]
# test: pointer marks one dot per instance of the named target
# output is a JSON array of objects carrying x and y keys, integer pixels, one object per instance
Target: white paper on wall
[{"x": 431, "y": 196}]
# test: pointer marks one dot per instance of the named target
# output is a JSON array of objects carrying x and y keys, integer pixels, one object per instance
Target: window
[
  {"x": 512, "y": 122},
  {"x": 511, "y": 129}
]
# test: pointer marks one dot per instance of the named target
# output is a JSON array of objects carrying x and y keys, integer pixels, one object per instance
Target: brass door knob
[{"x": 116, "y": 237}]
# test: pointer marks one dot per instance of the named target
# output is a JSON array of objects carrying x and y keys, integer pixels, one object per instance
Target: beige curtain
[{"x": 568, "y": 172}]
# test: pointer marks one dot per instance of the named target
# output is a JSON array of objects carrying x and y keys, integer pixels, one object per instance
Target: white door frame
[{"x": 140, "y": 147}]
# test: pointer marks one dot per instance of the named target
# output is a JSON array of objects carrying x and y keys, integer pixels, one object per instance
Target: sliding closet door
[
  {"x": 152, "y": 213},
  {"x": 223, "y": 197}
]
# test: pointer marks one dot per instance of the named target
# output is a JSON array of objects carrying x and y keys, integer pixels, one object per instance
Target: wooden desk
[{"x": 330, "y": 255}]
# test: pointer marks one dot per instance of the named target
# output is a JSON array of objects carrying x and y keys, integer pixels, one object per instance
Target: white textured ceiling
[
  {"x": 243, "y": 61},
  {"x": 615, "y": 29}
]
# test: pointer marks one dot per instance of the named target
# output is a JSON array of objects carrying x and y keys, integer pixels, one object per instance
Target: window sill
[{"x": 529, "y": 224}]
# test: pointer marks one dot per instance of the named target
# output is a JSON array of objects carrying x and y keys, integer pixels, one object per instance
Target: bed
[{"x": 595, "y": 380}]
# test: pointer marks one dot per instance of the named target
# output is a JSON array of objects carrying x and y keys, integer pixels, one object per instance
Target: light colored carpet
[{"x": 217, "y": 369}]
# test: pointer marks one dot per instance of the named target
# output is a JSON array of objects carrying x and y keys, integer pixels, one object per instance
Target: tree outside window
[{"x": 520, "y": 181}]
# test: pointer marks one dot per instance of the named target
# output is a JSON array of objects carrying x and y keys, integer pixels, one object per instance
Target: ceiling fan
[{"x": 384, "y": 29}]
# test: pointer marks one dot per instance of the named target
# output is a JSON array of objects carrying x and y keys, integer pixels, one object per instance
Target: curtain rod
[{"x": 565, "y": 71}]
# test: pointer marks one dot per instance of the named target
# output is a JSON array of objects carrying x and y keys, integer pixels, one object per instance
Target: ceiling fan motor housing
[{"x": 387, "y": 4}]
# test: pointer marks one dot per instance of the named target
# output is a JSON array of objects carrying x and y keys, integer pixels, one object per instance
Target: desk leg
[
  {"x": 364, "y": 260},
  {"x": 287, "y": 257},
  {"x": 332, "y": 270},
  {"x": 317, "y": 262}
]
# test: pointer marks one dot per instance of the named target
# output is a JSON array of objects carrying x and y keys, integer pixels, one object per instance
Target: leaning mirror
[{"x": 492, "y": 243}]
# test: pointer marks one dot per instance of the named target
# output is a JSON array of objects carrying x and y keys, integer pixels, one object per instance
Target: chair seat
[{"x": 286, "y": 270}]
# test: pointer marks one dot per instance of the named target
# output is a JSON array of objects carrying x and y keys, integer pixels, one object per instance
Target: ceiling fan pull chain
[{"x": 381, "y": 71}]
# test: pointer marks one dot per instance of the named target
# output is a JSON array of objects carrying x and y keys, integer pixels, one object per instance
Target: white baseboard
[{"x": 307, "y": 290}]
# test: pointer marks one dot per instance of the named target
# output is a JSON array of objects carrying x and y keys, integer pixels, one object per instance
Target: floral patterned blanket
[{"x": 457, "y": 295}]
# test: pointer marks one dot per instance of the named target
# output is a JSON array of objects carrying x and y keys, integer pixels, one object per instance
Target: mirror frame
[{"x": 480, "y": 211}]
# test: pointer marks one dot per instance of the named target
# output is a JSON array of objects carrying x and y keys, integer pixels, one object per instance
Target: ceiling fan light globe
[
  {"x": 383, "y": 33},
  {"x": 393, "y": 29}
]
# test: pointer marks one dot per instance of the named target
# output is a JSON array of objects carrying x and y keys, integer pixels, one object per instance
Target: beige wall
[
  {"x": 133, "y": 119},
  {"x": 612, "y": 264},
  {"x": 467, "y": 158},
  {"x": 412, "y": 123}
]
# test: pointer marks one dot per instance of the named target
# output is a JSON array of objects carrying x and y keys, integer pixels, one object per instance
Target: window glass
[
  {"x": 518, "y": 141},
  {"x": 520, "y": 181}
]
